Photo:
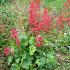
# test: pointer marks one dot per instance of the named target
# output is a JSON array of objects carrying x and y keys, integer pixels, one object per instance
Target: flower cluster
[
  {"x": 7, "y": 51},
  {"x": 38, "y": 23},
  {"x": 14, "y": 35},
  {"x": 46, "y": 20}
]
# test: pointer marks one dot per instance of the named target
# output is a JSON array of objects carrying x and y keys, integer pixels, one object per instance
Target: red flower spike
[
  {"x": 14, "y": 33},
  {"x": 6, "y": 51},
  {"x": 34, "y": 19},
  {"x": 47, "y": 20},
  {"x": 33, "y": 13}
]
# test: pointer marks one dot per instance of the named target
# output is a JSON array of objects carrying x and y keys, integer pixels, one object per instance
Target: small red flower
[
  {"x": 39, "y": 40},
  {"x": 14, "y": 33},
  {"x": 6, "y": 51},
  {"x": 38, "y": 44}
]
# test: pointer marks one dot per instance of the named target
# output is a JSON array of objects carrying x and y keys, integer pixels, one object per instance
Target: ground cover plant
[{"x": 34, "y": 34}]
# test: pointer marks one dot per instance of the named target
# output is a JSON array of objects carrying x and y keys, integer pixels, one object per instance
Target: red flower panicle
[
  {"x": 33, "y": 13},
  {"x": 14, "y": 35},
  {"x": 46, "y": 20},
  {"x": 34, "y": 16},
  {"x": 37, "y": 24},
  {"x": 6, "y": 51}
]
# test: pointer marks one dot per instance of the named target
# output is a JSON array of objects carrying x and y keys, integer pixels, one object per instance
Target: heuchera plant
[
  {"x": 35, "y": 51},
  {"x": 39, "y": 23}
]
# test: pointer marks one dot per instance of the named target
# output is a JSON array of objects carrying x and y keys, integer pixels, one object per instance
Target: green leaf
[
  {"x": 38, "y": 62},
  {"x": 15, "y": 67},
  {"x": 32, "y": 49},
  {"x": 41, "y": 61},
  {"x": 23, "y": 56},
  {"x": 32, "y": 41},
  {"x": 2, "y": 1},
  {"x": 51, "y": 61},
  {"x": 23, "y": 38},
  {"x": 17, "y": 53},
  {"x": 24, "y": 41},
  {"x": 26, "y": 63},
  {"x": 22, "y": 45},
  {"x": 17, "y": 60},
  {"x": 50, "y": 55},
  {"x": 10, "y": 59}
]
